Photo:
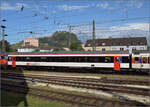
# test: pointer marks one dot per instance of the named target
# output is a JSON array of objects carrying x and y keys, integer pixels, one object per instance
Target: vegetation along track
[
  {"x": 83, "y": 84},
  {"x": 80, "y": 100}
]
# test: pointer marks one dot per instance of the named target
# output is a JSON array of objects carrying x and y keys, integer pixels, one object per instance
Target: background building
[
  {"x": 118, "y": 44},
  {"x": 30, "y": 41},
  {"x": 27, "y": 49},
  {"x": 30, "y": 44}
]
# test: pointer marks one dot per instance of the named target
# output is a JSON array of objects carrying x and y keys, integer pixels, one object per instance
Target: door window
[
  {"x": 14, "y": 58},
  {"x": 136, "y": 59},
  {"x": 9, "y": 58},
  {"x": 103, "y": 49},
  {"x": 144, "y": 59},
  {"x": 116, "y": 59}
]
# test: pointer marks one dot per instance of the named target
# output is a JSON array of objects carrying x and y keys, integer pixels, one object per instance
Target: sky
[{"x": 115, "y": 18}]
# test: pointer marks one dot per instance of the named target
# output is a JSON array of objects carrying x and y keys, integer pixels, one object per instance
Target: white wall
[
  {"x": 46, "y": 50},
  {"x": 26, "y": 50},
  {"x": 113, "y": 48}
]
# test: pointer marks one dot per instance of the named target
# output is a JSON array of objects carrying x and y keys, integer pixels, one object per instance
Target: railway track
[
  {"x": 104, "y": 80},
  {"x": 82, "y": 83},
  {"x": 80, "y": 100}
]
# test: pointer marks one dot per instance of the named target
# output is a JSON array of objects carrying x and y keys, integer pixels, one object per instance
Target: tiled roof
[
  {"x": 47, "y": 47},
  {"x": 29, "y": 46},
  {"x": 132, "y": 41}
]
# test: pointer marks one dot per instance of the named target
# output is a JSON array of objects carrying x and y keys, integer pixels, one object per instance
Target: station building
[
  {"x": 117, "y": 44},
  {"x": 30, "y": 44},
  {"x": 30, "y": 41},
  {"x": 27, "y": 49}
]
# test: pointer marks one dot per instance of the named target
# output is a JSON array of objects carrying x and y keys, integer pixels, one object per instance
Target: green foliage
[
  {"x": 59, "y": 39},
  {"x": 37, "y": 50},
  {"x": 76, "y": 46},
  {"x": 7, "y": 46},
  {"x": 57, "y": 49},
  {"x": 148, "y": 48},
  {"x": 15, "y": 46}
]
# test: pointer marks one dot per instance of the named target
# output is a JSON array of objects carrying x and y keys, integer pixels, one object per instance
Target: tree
[
  {"x": 61, "y": 39},
  {"x": 77, "y": 46},
  {"x": 148, "y": 48},
  {"x": 7, "y": 46},
  {"x": 57, "y": 49},
  {"x": 37, "y": 50}
]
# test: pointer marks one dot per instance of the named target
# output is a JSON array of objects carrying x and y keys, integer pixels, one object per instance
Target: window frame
[{"x": 135, "y": 61}]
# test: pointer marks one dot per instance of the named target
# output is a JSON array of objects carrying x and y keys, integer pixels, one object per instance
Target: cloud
[
  {"x": 130, "y": 4},
  {"x": 130, "y": 26},
  {"x": 7, "y": 6},
  {"x": 133, "y": 3},
  {"x": 126, "y": 30},
  {"x": 139, "y": 5},
  {"x": 103, "y": 5},
  {"x": 72, "y": 7},
  {"x": 106, "y": 5}
]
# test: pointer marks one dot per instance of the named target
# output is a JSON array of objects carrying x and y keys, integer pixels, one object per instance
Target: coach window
[
  {"x": 103, "y": 49},
  {"x": 90, "y": 59},
  {"x": 144, "y": 59},
  {"x": 63, "y": 59},
  {"x": 38, "y": 59},
  {"x": 5, "y": 57},
  {"x": 48, "y": 59},
  {"x": 23, "y": 59},
  {"x": 125, "y": 59},
  {"x": 149, "y": 60},
  {"x": 28, "y": 58},
  {"x": 43, "y": 58},
  {"x": 53, "y": 59},
  {"x": 34, "y": 59},
  {"x": 86, "y": 59},
  {"x": 101, "y": 59},
  {"x": 116, "y": 59},
  {"x": 2, "y": 57},
  {"x": 17, "y": 59},
  {"x": 9, "y": 58},
  {"x": 78, "y": 59},
  {"x": 136, "y": 59},
  {"x": 96, "y": 59},
  {"x": 108, "y": 59}
]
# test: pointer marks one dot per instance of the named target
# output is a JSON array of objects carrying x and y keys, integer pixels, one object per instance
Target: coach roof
[{"x": 71, "y": 52}]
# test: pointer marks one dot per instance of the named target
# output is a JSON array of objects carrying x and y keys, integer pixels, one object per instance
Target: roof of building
[
  {"x": 45, "y": 47},
  {"x": 131, "y": 41},
  {"x": 29, "y": 47},
  {"x": 30, "y": 37}
]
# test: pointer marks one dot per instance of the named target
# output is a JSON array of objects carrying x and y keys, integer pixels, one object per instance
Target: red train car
[{"x": 3, "y": 60}]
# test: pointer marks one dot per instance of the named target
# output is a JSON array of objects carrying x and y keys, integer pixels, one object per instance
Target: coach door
[
  {"x": 117, "y": 63},
  {"x": 13, "y": 61}
]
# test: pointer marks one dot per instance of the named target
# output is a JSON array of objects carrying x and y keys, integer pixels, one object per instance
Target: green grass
[{"x": 14, "y": 99}]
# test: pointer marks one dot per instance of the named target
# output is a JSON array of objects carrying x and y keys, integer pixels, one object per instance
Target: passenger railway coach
[
  {"x": 3, "y": 60},
  {"x": 97, "y": 60},
  {"x": 107, "y": 60},
  {"x": 141, "y": 61}
]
